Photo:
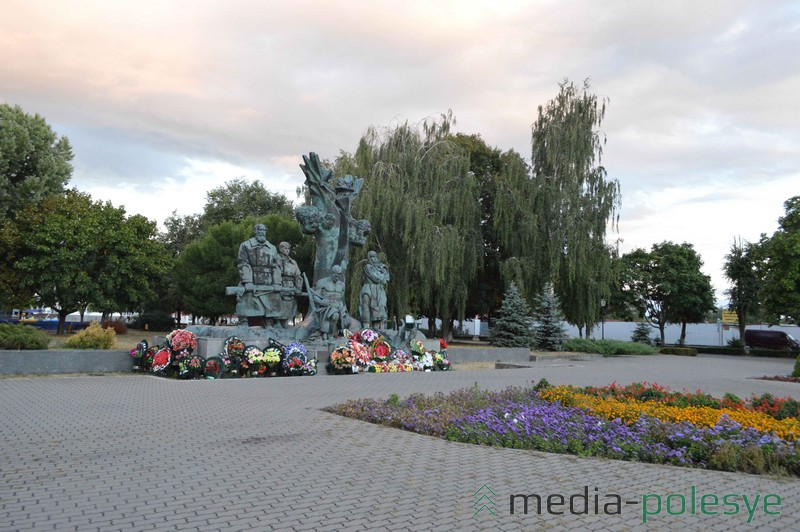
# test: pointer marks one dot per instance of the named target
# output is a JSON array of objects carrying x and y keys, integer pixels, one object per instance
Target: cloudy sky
[{"x": 164, "y": 100}]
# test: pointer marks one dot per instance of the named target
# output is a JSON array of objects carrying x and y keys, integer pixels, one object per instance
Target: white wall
[{"x": 696, "y": 333}]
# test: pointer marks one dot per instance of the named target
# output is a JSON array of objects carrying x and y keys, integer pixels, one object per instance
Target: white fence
[{"x": 715, "y": 334}]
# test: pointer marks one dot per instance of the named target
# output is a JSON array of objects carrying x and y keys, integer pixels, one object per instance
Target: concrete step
[{"x": 553, "y": 356}]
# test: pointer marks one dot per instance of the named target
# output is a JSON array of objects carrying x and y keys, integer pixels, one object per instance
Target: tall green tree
[
  {"x": 550, "y": 332},
  {"x": 780, "y": 292},
  {"x": 553, "y": 220},
  {"x": 639, "y": 287},
  {"x": 130, "y": 263},
  {"x": 238, "y": 199},
  {"x": 691, "y": 295},
  {"x": 206, "y": 266},
  {"x": 422, "y": 202},
  {"x": 34, "y": 160},
  {"x": 487, "y": 164},
  {"x": 181, "y": 231},
  {"x": 514, "y": 324},
  {"x": 73, "y": 252},
  {"x": 741, "y": 269},
  {"x": 667, "y": 285}
]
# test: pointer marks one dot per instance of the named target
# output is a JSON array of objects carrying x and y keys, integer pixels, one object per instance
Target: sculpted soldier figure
[
  {"x": 329, "y": 294},
  {"x": 258, "y": 293},
  {"x": 372, "y": 298},
  {"x": 291, "y": 282}
]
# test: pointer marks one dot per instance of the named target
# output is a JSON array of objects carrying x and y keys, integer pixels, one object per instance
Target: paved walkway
[{"x": 138, "y": 453}]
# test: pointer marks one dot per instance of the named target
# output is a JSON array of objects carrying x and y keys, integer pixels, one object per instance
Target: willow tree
[
  {"x": 422, "y": 202},
  {"x": 552, "y": 220}
]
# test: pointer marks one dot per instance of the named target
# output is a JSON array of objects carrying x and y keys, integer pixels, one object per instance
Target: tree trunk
[
  {"x": 661, "y": 327},
  {"x": 62, "y": 319},
  {"x": 682, "y": 340},
  {"x": 447, "y": 329},
  {"x": 741, "y": 314}
]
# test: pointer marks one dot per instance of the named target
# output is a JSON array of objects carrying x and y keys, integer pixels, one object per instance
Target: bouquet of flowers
[
  {"x": 192, "y": 366},
  {"x": 380, "y": 350},
  {"x": 271, "y": 357},
  {"x": 182, "y": 342},
  {"x": 138, "y": 354},
  {"x": 161, "y": 359},
  {"x": 417, "y": 348},
  {"x": 401, "y": 357},
  {"x": 234, "y": 347},
  {"x": 368, "y": 336},
  {"x": 342, "y": 358},
  {"x": 296, "y": 348},
  {"x": 214, "y": 367},
  {"x": 294, "y": 364},
  {"x": 397, "y": 366},
  {"x": 361, "y": 353},
  {"x": 379, "y": 367},
  {"x": 440, "y": 362},
  {"x": 310, "y": 367},
  {"x": 389, "y": 367}
]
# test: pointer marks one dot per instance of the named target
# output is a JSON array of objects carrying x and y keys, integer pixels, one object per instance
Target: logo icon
[{"x": 484, "y": 500}]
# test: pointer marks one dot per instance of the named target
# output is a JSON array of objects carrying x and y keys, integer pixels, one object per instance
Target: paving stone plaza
[{"x": 138, "y": 453}]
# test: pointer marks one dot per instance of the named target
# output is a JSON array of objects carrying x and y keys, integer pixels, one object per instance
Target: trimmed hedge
[
  {"x": 681, "y": 351},
  {"x": 608, "y": 347},
  {"x": 717, "y": 350},
  {"x": 14, "y": 336}
]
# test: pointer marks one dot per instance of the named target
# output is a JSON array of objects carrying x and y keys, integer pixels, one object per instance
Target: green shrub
[
  {"x": 154, "y": 321},
  {"x": 718, "y": 350},
  {"x": 727, "y": 457},
  {"x": 22, "y": 337},
  {"x": 118, "y": 326},
  {"x": 608, "y": 347},
  {"x": 93, "y": 337},
  {"x": 736, "y": 342},
  {"x": 682, "y": 351},
  {"x": 796, "y": 372},
  {"x": 777, "y": 353},
  {"x": 641, "y": 333}
]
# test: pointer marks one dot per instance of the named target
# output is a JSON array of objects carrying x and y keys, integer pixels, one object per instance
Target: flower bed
[
  {"x": 536, "y": 418},
  {"x": 629, "y": 410}
]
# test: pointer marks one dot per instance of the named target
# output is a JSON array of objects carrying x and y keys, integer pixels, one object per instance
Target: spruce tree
[
  {"x": 513, "y": 327},
  {"x": 641, "y": 333},
  {"x": 550, "y": 332}
]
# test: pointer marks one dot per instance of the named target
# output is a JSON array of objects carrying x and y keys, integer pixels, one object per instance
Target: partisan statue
[
  {"x": 328, "y": 217},
  {"x": 258, "y": 294},
  {"x": 372, "y": 298},
  {"x": 291, "y": 283},
  {"x": 331, "y": 312},
  {"x": 270, "y": 281}
]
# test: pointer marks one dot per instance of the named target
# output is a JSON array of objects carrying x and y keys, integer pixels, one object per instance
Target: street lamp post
[{"x": 603, "y": 319}]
